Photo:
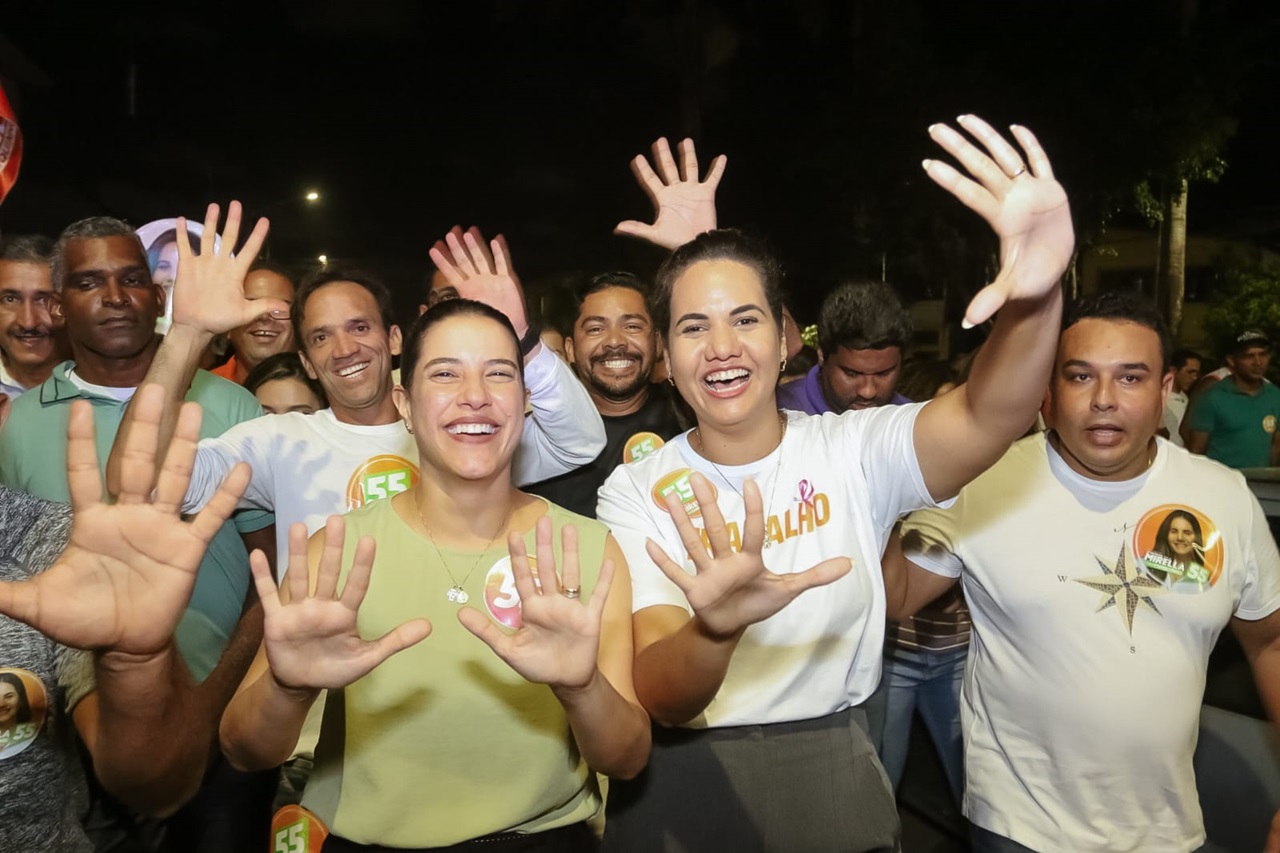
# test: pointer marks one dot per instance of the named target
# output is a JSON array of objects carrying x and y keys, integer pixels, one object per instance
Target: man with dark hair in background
[
  {"x": 270, "y": 333},
  {"x": 1186, "y": 370},
  {"x": 863, "y": 334},
  {"x": 612, "y": 347},
  {"x": 1234, "y": 420},
  {"x": 29, "y": 340}
]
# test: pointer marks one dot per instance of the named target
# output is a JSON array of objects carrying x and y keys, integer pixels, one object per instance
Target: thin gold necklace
[
  {"x": 777, "y": 468},
  {"x": 456, "y": 593}
]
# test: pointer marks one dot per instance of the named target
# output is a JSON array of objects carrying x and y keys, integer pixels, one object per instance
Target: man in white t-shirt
[
  {"x": 308, "y": 467},
  {"x": 1186, "y": 371},
  {"x": 1100, "y": 564}
]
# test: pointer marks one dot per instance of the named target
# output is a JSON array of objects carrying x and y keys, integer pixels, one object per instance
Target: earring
[
  {"x": 784, "y": 365},
  {"x": 408, "y": 428},
  {"x": 671, "y": 380}
]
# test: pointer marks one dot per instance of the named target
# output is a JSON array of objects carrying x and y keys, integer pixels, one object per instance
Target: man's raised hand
[
  {"x": 208, "y": 295},
  {"x": 482, "y": 272},
  {"x": 126, "y": 576},
  {"x": 683, "y": 206},
  {"x": 1021, "y": 202}
]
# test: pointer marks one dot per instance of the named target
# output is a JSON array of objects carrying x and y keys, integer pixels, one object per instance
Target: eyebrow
[
  {"x": 450, "y": 360},
  {"x": 741, "y": 309},
  {"x": 1129, "y": 365},
  {"x": 597, "y": 318},
  {"x": 347, "y": 322},
  {"x": 132, "y": 268}
]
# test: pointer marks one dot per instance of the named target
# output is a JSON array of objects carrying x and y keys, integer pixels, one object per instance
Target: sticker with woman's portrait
[
  {"x": 1179, "y": 546},
  {"x": 23, "y": 706}
]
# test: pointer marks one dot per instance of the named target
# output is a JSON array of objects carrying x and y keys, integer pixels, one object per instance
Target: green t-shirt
[
  {"x": 1240, "y": 425},
  {"x": 33, "y": 459},
  {"x": 444, "y": 742}
]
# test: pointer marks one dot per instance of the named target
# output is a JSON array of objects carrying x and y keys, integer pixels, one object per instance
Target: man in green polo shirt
[
  {"x": 105, "y": 294},
  {"x": 1234, "y": 421}
]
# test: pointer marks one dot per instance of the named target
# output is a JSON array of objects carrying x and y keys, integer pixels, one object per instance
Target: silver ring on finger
[
  {"x": 1018, "y": 174},
  {"x": 571, "y": 592}
]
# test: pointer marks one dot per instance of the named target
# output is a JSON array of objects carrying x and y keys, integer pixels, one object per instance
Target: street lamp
[
  {"x": 312, "y": 196},
  {"x": 324, "y": 260}
]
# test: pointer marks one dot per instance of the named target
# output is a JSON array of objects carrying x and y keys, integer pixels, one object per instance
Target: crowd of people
[{"x": 653, "y": 592}]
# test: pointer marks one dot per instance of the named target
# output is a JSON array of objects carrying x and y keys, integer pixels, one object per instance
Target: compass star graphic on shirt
[{"x": 1118, "y": 588}]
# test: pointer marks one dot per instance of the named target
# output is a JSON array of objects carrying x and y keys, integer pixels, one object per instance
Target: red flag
[{"x": 10, "y": 147}]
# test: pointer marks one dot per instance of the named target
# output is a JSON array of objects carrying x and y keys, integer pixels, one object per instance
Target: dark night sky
[{"x": 521, "y": 117}]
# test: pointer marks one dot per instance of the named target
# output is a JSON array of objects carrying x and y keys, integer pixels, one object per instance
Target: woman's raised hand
[
  {"x": 558, "y": 640},
  {"x": 1021, "y": 202},
  {"x": 312, "y": 641},
  {"x": 730, "y": 590}
]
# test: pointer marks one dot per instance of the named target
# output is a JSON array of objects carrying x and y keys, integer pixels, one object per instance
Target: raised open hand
[
  {"x": 558, "y": 640},
  {"x": 312, "y": 641},
  {"x": 208, "y": 294},
  {"x": 1021, "y": 202},
  {"x": 483, "y": 273},
  {"x": 127, "y": 574},
  {"x": 729, "y": 590},
  {"x": 683, "y": 206}
]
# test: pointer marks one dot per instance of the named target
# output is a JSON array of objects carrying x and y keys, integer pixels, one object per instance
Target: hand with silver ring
[
  {"x": 1017, "y": 195},
  {"x": 557, "y": 641}
]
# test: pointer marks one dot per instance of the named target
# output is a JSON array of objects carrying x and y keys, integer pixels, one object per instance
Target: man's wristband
[{"x": 531, "y": 339}]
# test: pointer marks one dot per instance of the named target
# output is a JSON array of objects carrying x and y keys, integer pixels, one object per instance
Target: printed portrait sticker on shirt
[
  {"x": 24, "y": 705},
  {"x": 1179, "y": 546}
]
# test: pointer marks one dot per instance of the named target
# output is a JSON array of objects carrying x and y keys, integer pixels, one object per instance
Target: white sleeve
[
  {"x": 1260, "y": 596},
  {"x": 249, "y": 441},
  {"x": 625, "y": 507},
  {"x": 565, "y": 431},
  {"x": 883, "y": 440},
  {"x": 929, "y": 540}
]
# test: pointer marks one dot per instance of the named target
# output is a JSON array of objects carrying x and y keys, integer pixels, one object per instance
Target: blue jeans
[{"x": 929, "y": 682}]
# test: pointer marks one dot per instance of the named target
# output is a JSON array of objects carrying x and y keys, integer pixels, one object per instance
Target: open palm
[
  {"x": 208, "y": 293},
  {"x": 558, "y": 640},
  {"x": 683, "y": 206},
  {"x": 729, "y": 590},
  {"x": 312, "y": 640},
  {"x": 1021, "y": 201},
  {"x": 127, "y": 573},
  {"x": 482, "y": 272}
]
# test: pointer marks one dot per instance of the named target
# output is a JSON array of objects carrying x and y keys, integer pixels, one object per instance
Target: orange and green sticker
[
  {"x": 380, "y": 477},
  {"x": 296, "y": 830},
  {"x": 641, "y": 445},
  {"x": 678, "y": 482},
  {"x": 1179, "y": 546}
]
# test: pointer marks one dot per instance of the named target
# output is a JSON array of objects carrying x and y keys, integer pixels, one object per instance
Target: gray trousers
[{"x": 812, "y": 786}]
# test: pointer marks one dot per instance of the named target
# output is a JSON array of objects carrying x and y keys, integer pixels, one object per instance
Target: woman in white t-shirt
[{"x": 756, "y": 686}]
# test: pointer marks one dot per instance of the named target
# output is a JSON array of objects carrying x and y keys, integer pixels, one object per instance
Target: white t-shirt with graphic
[
  {"x": 1093, "y": 618},
  {"x": 835, "y": 487}
]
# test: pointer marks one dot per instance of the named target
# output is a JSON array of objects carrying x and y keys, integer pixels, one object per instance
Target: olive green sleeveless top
[{"x": 444, "y": 742}]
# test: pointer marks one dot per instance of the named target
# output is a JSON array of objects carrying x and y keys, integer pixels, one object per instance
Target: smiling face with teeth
[
  {"x": 613, "y": 347},
  {"x": 465, "y": 398},
  {"x": 1106, "y": 397},
  {"x": 266, "y": 335},
  {"x": 725, "y": 350},
  {"x": 348, "y": 349}
]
